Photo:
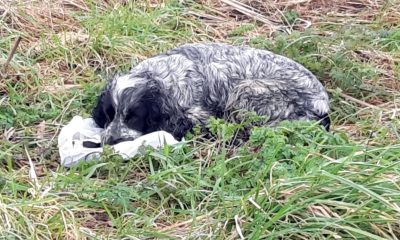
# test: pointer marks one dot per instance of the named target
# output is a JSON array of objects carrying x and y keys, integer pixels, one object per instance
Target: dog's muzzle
[{"x": 117, "y": 132}]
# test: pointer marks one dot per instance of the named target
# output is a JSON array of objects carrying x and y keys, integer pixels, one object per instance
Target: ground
[{"x": 292, "y": 182}]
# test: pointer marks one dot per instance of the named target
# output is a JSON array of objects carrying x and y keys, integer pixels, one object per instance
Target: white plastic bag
[{"x": 78, "y": 130}]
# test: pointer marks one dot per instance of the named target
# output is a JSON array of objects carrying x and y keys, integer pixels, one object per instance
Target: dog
[{"x": 185, "y": 86}]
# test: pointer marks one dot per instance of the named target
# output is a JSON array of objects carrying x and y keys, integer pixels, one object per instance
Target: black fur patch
[{"x": 104, "y": 112}]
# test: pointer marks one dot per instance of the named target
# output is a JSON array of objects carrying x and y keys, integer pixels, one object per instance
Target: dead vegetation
[
  {"x": 56, "y": 65},
  {"x": 224, "y": 15}
]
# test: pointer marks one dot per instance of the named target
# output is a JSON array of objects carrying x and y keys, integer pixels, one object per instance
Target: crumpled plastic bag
[{"x": 79, "y": 133}]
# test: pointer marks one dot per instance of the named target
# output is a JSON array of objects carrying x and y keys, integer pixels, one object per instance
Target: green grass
[{"x": 294, "y": 181}]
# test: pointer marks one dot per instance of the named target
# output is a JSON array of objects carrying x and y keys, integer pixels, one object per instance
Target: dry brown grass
[
  {"x": 224, "y": 15},
  {"x": 39, "y": 22},
  {"x": 33, "y": 19}
]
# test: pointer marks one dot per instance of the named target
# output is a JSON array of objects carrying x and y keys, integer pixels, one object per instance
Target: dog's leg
[{"x": 197, "y": 115}]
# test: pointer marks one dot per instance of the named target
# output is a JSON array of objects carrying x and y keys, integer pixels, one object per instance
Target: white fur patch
[
  {"x": 120, "y": 84},
  {"x": 321, "y": 106}
]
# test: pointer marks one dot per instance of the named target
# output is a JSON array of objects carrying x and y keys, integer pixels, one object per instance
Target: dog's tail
[{"x": 325, "y": 121}]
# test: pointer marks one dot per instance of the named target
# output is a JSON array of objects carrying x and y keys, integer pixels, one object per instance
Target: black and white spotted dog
[{"x": 183, "y": 87}]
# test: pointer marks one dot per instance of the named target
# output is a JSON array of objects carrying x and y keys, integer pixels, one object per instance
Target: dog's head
[{"x": 128, "y": 108}]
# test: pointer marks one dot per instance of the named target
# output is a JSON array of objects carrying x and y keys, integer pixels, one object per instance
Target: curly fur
[{"x": 184, "y": 86}]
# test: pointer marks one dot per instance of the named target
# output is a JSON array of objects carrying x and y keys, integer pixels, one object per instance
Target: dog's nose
[{"x": 112, "y": 140}]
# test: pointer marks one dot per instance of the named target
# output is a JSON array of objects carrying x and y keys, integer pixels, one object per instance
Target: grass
[{"x": 294, "y": 181}]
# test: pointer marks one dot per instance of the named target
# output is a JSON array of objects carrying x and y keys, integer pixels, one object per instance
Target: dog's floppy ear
[
  {"x": 167, "y": 114},
  {"x": 157, "y": 111},
  {"x": 104, "y": 112},
  {"x": 152, "y": 99}
]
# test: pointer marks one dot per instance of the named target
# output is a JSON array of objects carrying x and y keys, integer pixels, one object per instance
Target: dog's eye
[{"x": 130, "y": 115}]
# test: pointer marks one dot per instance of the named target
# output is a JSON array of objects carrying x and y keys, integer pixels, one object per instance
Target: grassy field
[{"x": 292, "y": 182}]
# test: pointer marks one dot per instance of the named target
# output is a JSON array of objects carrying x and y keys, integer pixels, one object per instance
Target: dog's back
[{"x": 246, "y": 78}]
